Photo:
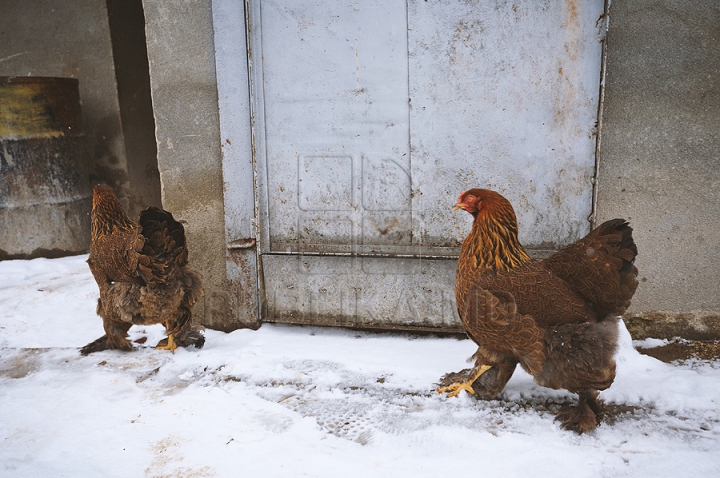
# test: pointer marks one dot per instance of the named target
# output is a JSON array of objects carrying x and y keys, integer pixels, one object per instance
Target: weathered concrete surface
[
  {"x": 127, "y": 32},
  {"x": 237, "y": 161},
  {"x": 690, "y": 325},
  {"x": 70, "y": 39},
  {"x": 185, "y": 102},
  {"x": 44, "y": 191},
  {"x": 660, "y": 155},
  {"x": 76, "y": 40}
]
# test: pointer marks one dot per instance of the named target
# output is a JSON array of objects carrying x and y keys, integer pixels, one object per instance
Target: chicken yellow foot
[
  {"x": 170, "y": 345},
  {"x": 455, "y": 388}
]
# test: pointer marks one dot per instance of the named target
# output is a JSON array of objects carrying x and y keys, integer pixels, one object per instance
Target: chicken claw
[
  {"x": 455, "y": 388},
  {"x": 170, "y": 345}
]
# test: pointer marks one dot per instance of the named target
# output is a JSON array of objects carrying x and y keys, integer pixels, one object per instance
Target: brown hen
[
  {"x": 142, "y": 272},
  {"x": 556, "y": 317}
]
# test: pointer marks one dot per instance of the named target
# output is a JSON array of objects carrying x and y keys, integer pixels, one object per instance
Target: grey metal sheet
[
  {"x": 505, "y": 96},
  {"x": 237, "y": 165},
  {"x": 369, "y": 119},
  {"x": 377, "y": 116},
  {"x": 335, "y": 93},
  {"x": 361, "y": 291}
]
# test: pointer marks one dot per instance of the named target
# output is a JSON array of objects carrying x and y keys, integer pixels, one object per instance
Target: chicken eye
[{"x": 470, "y": 199}]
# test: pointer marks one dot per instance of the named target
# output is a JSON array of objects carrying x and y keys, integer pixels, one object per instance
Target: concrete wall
[
  {"x": 78, "y": 39},
  {"x": 185, "y": 100},
  {"x": 659, "y": 164},
  {"x": 127, "y": 31},
  {"x": 70, "y": 39},
  {"x": 660, "y": 158},
  {"x": 104, "y": 46}
]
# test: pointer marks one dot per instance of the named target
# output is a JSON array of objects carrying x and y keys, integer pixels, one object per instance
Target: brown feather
[
  {"x": 556, "y": 317},
  {"x": 142, "y": 272}
]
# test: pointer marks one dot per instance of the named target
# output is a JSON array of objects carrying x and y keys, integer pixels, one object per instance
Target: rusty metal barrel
[{"x": 45, "y": 196}]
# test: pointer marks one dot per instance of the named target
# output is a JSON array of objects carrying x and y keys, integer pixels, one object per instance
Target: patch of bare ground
[{"x": 680, "y": 350}]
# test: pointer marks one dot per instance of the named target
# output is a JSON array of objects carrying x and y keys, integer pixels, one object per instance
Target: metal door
[{"x": 370, "y": 117}]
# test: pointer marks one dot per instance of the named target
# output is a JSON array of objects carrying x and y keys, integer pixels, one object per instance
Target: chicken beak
[{"x": 457, "y": 206}]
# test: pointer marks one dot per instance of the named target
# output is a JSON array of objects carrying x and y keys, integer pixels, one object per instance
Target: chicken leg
[
  {"x": 585, "y": 416},
  {"x": 455, "y": 388},
  {"x": 170, "y": 345},
  {"x": 114, "y": 338}
]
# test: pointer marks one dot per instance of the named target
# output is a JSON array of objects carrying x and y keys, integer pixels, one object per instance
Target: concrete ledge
[{"x": 697, "y": 325}]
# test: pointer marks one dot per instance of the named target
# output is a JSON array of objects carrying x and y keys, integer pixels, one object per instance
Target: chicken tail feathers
[
  {"x": 600, "y": 267},
  {"x": 625, "y": 250},
  {"x": 165, "y": 247}
]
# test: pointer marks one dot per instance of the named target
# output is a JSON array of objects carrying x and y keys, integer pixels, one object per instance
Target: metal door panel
[
  {"x": 505, "y": 96},
  {"x": 361, "y": 292},
  {"x": 335, "y": 95},
  {"x": 242, "y": 299},
  {"x": 370, "y": 117}
]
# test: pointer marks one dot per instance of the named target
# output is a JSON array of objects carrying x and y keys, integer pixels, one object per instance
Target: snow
[
  {"x": 305, "y": 401},
  {"x": 650, "y": 343}
]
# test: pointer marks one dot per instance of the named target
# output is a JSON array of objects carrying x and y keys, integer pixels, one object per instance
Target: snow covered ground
[{"x": 302, "y": 401}]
